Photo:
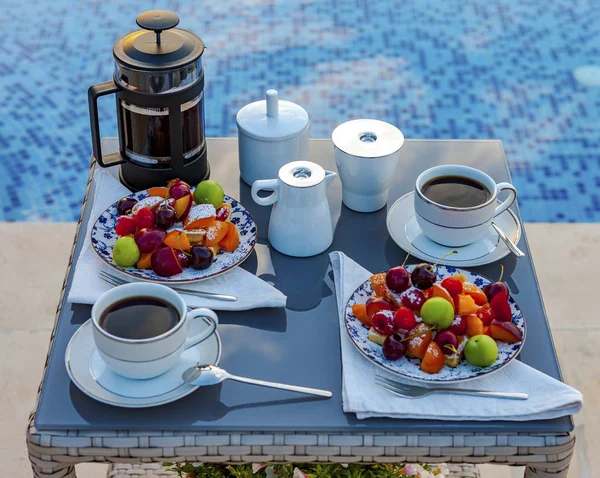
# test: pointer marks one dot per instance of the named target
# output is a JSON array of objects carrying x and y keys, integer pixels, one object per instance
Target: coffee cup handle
[
  {"x": 268, "y": 184},
  {"x": 205, "y": 314},
  {"x": 512, "y": 195}
]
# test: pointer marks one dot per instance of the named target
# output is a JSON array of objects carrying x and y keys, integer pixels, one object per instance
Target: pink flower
[
  {"x": 256, "y": 467},
  {"x": 298, "y": 473}
]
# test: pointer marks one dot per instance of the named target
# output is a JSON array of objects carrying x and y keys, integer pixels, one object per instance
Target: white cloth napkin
[
  {"x": 548, "y": 398},
  {"x": 87, "y": 286}
]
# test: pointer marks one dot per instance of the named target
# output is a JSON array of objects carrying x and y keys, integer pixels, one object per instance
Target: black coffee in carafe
[{"x": 159, "y": 85}]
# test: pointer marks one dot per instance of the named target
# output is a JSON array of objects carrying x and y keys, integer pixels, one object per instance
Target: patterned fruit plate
[
  {"x": 104, "y": 237},
  {"x": 409, "y": 368}
]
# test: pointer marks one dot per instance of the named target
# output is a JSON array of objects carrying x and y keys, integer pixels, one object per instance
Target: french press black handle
[
  {"x": 157, "y": 21},
  {"x": 96, "y": 91}
]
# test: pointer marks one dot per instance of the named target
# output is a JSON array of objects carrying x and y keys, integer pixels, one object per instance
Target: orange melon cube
[
  {"x": 231, "y": 241},
  {"x": 465, "y": 304},
  {"x": 360, "y": 312},
  {"x": 474, "y": 325},
  {"x": 379, "y": 286},
  {"x": 433, "y": 360}
]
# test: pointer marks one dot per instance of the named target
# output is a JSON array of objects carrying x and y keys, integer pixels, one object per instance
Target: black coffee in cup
[
  {"x": 139, "y": 318},
  {"x": 456, "y": 191}
]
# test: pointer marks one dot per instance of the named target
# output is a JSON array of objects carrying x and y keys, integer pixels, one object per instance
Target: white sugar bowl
[{"x": 271, "y": 133}]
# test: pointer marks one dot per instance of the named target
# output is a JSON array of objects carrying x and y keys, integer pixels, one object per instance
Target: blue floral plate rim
[
  {"x": 409, "y": 369},
  {"x": 239, "y": 215}
]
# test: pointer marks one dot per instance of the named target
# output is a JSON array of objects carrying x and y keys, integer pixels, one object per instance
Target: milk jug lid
[
  {"x": 272, "y": 119},
  {"x": 301, "y": 174}
]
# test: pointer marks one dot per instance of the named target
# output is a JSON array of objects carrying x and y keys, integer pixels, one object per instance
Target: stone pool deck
[{"x": 33, "y": 258}]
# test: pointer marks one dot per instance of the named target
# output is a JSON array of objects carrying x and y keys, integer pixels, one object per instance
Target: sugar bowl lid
[
  {"x": 272, "y": 119},
  {"x": 159, "y": 46}
]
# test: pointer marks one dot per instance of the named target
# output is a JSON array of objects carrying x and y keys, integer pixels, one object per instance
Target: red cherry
[
  {"x": 383, "y": 322},
  {"x": 404, "y": 319},
  {"x": 452, "y": 285},
  {"x": 125, "y": 225},
  {"x": 486, "y": 314},
  {"x": 413, "y": 298},
  {"x": 144, "y": 218},
  {"x": 458, "y": 325},
  {"x": 501, "y": 307}
]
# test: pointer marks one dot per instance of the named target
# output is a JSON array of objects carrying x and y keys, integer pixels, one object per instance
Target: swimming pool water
[{"x": 437, "y": 69}]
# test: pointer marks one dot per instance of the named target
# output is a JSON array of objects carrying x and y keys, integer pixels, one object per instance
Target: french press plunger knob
[{"x": 157, "y": 21}]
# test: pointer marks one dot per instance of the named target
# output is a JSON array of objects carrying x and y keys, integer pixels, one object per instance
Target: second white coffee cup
[
  {"x": 147, "y": 358},
  {"x": 459, "y": 226}
]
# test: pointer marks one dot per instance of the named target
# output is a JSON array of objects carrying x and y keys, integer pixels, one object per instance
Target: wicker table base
[
  {"x": 54, "y": 454},
  {"x": 155, "y": 470}
]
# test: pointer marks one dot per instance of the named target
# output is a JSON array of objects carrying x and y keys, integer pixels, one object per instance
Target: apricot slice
[
  {"x": 460, "y": 277},
  {"x": 474, "y": 325},
  {"x": 417, "y": 346},
  {"x": 215, "y": 233},
  {"x": 478, "y": 295},
  {"x": 232, "y": 238},
  {"x": 439, "y": 291},
  {"x": 360, "y": 312},
  {"x": 200, "y": 217},
  {"x": 465, "y": 304},
  {"x": 183, "y": 205},
  {"x": 160, "y": 192},
  {"x": 433, "y": 360},
  {"x": 178, "y": 240},
  {"x": 379, "y": 286},
  {"x": 505, "y": 332},
  {"x": 145, "y": 261}
]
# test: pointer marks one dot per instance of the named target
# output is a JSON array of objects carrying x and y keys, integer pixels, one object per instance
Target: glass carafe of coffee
[{"x": 159, "y": 88}]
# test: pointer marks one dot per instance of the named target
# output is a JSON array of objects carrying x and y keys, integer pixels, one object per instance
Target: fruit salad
[
  {"x": 174, "y": 228},
  {"x": 440, "y": 323}
]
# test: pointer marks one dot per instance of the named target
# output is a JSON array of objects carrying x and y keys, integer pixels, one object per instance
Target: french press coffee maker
[{"x": 159, "y": 89}]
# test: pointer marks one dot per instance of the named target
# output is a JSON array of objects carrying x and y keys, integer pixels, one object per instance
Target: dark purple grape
[
  {"x": 393, "y": 347},
  {"x": 423, "y": 276},
  {"x": 125, "y": 205},
  {"x": 165, "y": 216},
  {"x": 201, "y": 257}
]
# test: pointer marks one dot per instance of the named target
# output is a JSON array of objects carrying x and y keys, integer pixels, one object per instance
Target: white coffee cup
[
  {"x": 459, "y": 226},
  {"x": 147, "y": 358},
  {"x": 366, "y": 155}
]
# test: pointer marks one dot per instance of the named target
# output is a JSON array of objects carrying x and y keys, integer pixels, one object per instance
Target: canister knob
[{"x": 272, "y": 103}]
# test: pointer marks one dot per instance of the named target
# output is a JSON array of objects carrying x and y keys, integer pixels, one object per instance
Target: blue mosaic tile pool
[{"x": 437, "y": 69}]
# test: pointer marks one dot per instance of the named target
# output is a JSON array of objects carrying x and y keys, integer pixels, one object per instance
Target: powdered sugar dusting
[
  {"x": 148, "y": 202},
  {"x": 201, "y": 211}
]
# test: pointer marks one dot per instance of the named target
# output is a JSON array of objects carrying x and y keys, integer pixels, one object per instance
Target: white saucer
[
  {"x": 405, "y": 231},
  {"x": 91, "y": 375}
]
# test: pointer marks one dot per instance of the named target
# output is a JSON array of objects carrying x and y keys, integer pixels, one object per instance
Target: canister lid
[
  {"x": 272, "y": 119},
  {"x": 301, "y": 174},
  {"x": 159, "y": 46},
  {"x": 367, "y": 138}
]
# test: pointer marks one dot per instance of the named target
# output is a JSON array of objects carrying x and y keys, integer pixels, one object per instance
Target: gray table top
[{"x": 301, "y": 343}]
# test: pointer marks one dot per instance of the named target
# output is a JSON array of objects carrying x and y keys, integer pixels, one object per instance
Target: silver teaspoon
[
  {"x": 510, "y": 244},
  {"x": 203, "y": 375}
]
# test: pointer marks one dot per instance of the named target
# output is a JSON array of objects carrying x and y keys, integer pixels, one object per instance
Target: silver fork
[
  {"x": 410, "y": 391},
  {"x": 116, "y": 281}
]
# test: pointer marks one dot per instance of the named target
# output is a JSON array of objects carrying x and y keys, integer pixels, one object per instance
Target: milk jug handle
[{"x": 269, "y": 185}]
